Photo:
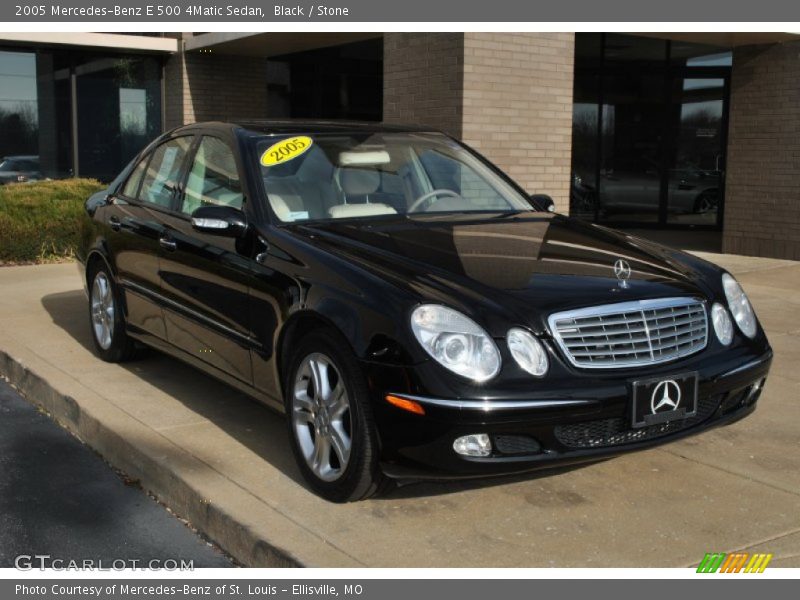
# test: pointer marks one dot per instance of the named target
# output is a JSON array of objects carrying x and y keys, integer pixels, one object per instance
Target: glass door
[
  {"x": 649, "y": 131},
  {"x": 696, "y": 169},
  {"x": 632, "y": 117}
]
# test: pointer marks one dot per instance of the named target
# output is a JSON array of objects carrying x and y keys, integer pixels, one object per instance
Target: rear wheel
[
  {"x": 330, "y": 422},
  {"x": 106, "y": 318}
]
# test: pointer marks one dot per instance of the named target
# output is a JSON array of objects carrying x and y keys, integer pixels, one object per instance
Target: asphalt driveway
[{"x": 59, "y": 498}]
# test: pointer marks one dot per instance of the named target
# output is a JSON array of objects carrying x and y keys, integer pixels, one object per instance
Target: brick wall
[
  {"x": 762, "y": 197},
  {"x": 203, "y": 86},
  {"x": 518, "y": 106},
  {"x": 507, "y": 95},
  {"x": 423, "y": 79}
]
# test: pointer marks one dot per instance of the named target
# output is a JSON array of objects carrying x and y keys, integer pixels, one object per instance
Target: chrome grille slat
[
  {"x": 677, "y": 323},
  {"x": 631, "y": 334}
]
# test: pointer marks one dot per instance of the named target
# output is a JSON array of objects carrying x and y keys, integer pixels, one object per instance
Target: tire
[
  {"x": 320, "y": 425},
  {"x": 706, "y": 202},
  {"x": 106, "y": 319}
]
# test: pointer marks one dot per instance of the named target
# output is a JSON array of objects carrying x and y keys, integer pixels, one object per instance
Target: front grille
[
  {"x": 617, "y": 431},
  {"x": 631, "y": 334}
]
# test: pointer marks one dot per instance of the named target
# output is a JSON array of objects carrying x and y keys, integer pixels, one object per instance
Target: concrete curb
[{"x": 154, "y": 472}]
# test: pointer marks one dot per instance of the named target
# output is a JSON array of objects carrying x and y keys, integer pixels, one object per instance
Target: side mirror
[
  {"x": 545, "y": 201},
  {"x": 220, "y": 220}
]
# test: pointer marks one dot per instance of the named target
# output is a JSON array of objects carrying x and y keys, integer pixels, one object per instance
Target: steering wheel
[{"x": 434, "y": 194}]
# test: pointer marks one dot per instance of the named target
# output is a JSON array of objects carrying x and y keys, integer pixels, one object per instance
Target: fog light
[{"x": 476, "y": 444}]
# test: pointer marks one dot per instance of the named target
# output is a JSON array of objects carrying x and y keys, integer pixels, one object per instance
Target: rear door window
[{"x": 131, "y": 187}]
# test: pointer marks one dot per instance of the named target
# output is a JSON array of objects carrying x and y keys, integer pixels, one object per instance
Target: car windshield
[
  {"x": 9, "y": 165},
  {"x": 341, "y": 176}
]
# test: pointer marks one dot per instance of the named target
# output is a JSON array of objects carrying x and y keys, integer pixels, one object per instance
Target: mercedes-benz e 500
[{"x": 410, "y": 309}]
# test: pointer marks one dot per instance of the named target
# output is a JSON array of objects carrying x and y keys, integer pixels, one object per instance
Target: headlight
[
  {"x": 723, "y": 326},
  {"x": 456, "y": 342},
  {"x": 528, "y": 351},
  {"x": 739, "y": 305}
]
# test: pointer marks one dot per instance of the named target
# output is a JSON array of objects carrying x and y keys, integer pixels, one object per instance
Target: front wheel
[
  {"x": 330, "y": 422},
  {"x": 706, "y": 202}
]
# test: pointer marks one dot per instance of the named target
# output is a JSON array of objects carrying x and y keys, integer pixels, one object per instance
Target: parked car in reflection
[
  {"x": 411, "y": 310},
  {"x": 19, "y": 169},
  {"x": 689, "y": 191}
]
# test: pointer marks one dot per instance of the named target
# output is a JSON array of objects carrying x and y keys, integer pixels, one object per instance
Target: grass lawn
[{"x": 41, "y": 221}]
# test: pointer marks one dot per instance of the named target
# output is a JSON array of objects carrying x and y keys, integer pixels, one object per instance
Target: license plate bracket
[{"x": 663, "y": 399}]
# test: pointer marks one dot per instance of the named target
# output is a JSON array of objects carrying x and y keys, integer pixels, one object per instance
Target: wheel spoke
[
  {"x": 340, "y": 442},
  {"x": 321, "y": 461},
  {"x": 338, "y": 402},
  {"x": 319, "y": 375},
  {"x": 302, "y": 400},
  {"x": 303, "y": 416}
]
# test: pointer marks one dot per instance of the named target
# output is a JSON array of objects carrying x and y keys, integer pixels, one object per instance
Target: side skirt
[{"x": 158, "y": 344}]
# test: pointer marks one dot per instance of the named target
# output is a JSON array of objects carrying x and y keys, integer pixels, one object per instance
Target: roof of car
[{"x": 286, "y": 126}]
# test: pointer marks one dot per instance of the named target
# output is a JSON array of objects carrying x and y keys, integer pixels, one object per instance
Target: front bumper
[{"x": 587, "y": 424}]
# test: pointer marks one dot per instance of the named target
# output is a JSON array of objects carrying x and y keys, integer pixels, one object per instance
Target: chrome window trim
[{"x": 623, "y": 307}]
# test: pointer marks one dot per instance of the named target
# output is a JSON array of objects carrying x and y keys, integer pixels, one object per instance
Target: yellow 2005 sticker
[{"x": 285, "y": 150}]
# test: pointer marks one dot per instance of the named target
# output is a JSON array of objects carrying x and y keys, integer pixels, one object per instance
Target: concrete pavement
[{"x": 223, "y": 462}]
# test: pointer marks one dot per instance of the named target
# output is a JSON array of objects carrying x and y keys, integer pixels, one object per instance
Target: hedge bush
[{"x": 41, "y": 221}]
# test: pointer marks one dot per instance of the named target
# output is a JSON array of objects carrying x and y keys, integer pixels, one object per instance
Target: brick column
[
  {"x": 762, "y": 191},
  {"x": 423, "y": 80},
  {"x": 203, "y": 86},
  {"x": 518, "y": 106},
  {"x": 509, "y": 95}
]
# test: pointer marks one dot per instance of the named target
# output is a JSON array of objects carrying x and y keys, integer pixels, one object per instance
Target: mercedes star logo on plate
[{"x": 667, "y": 393}]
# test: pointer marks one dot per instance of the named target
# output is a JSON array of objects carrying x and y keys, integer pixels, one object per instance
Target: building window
[
  {"x": 118, "y": 109},
  {"x": 340, "y": 82},
  {"x": 19, "y": 117},
  {"x": 649, "y": 131}
]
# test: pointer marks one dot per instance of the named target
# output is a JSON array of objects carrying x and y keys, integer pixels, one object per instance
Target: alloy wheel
[
  {"x": 102, "y": 310},
  {"x": 321, "y": 417}
]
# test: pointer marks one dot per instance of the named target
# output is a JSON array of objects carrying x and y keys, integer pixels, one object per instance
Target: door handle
[
  {"x": 167, "y": 244},
  {"x": 114, "y": 223}
]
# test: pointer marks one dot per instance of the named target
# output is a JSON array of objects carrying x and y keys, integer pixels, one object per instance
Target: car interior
[
  {"x": 357, "y": 185},
  {"x": 342, "y": 181}
]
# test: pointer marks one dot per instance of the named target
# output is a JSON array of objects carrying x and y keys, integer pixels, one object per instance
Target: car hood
[{"x": 505, "y": 267}]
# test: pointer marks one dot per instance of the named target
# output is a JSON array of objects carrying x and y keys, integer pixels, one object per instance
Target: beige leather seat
[
  {"x": 358, "y": 184},
  {"x": 294, "y": 200}
]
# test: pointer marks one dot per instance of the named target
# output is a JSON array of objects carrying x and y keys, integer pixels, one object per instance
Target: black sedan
[{"x": 411, "y": 309}]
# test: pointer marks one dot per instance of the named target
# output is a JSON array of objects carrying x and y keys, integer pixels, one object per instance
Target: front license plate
[{"x": 664, "y": 399}]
